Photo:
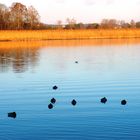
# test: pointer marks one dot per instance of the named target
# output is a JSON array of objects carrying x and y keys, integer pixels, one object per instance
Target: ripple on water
[{"x": 107, "y": 71}]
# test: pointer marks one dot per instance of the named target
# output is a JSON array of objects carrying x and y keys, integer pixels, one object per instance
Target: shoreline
[
  {"x": 44, "y": 35},
  {"x": 72, "y": 39}
]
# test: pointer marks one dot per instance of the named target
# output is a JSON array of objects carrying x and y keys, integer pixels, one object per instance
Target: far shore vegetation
[
  {"x": 30, "y": 35},
  {"x": 19, "y": 22}
]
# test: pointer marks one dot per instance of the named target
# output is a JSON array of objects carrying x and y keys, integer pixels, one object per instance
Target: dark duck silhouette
[
  {"x": 12, "y": 114},
  {"x": 104, "y": 100},
  {"x": 73, "y": 102},
  {"x": 123, "y": 102},
  {"x": 55, "y": 87},
  {"x": 50, "y": 106},
  {"x": 53, "y": 100}
]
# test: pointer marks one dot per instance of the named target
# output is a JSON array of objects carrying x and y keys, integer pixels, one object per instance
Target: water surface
[{"x": 106, "y": 68}]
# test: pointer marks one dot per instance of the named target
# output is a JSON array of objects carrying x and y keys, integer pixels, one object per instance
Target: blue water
[{"x": 28, "y": 75}]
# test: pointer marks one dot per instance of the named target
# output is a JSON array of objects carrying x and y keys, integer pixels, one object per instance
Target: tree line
[
  {"x": 105, "y": 24},
  {"x": 20, "y": 17}
]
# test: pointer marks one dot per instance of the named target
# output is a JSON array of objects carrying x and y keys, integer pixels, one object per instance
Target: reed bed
[{"x": 25, "y": 35}]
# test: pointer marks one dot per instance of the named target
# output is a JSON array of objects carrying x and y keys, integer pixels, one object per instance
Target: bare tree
[
  {"x": 18, "y": 15},
  {"x": 138, "y": 24},
  {"x": 112, "y": 23},
  {"x": 59, "y": 24},
  {"x": 124, "y": 24},
  {"x": 109, "y": 23},
  {"x": 132, "y": 24},
  {"x": 33, "y": 17},
  {"x": 4, "y": 16},
  {"x": 71, "y": 23},
  {"x": 104, "y": 23}
]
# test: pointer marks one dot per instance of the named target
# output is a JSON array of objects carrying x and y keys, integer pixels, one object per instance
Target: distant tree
[
  {"x": 33, "y": 18},
  {"x": 79, "y": 26},
  {"x": 70, "y": 23},
  {"x": 138, "y": 24},
  {"x": 121, "y": 23},
  {"x": 109, "y": 24},
  {"x": 59, "y": 24},
  {"x": 3, "y": 7},
  {"x": 104, "y": 24},
  {"x": 18, "y": 15},
  {"x": 112, "y": 23},
  {"x": 43, "y": 26},
  {"x": 133, "y": 24},
  {"x": 4, "y": 16},
  {"x": 92, "y": 26}
]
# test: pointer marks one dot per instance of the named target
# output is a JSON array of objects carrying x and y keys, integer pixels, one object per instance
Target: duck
[
  {"x": 73, "y": 102},
  {"x": 12, "y": 114},
  {"x": 55, "y": 87},
  {"x": 53, "y": 100},
  {"x": 104, "y": 100},
  {"x": 123, "y": 102},
  {"x": 50, "y": 106}
]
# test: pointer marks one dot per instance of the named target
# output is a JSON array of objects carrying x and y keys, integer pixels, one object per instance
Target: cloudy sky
[{"x": 83, "y": 10}]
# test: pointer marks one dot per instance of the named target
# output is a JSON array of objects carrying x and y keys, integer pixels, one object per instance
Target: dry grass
[{"x": 68, "y": 34}]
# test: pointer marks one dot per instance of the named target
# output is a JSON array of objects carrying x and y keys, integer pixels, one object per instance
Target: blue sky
[{"x": 83, "y": 10}]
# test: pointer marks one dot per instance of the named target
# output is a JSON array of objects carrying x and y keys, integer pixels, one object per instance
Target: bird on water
[
  {"x": 55, "y": 87},
  {"x": 53, "y": 100},
  {"x": 123, "y": 102},
  {"x": 12, "y": 114},
  {"x": 50, "y": 106},
  {"x": 73, "y": 102},
  {"x": 104, "y": 100}
]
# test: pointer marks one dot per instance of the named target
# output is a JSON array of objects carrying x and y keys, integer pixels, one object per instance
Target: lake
[{"x": 104, "y": 68}]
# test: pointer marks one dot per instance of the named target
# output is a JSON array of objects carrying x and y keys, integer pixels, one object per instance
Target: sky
[{"x": 86, "y": 11}]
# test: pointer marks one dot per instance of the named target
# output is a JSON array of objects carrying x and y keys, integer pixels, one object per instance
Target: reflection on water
[
  {"x": 22, "y": 55},
  {"x": 92, "y": 77},
  {"x": 20, "y": 59}
]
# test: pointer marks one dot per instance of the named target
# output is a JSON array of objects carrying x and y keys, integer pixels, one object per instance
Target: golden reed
[{"x": 29, "y": 35}]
